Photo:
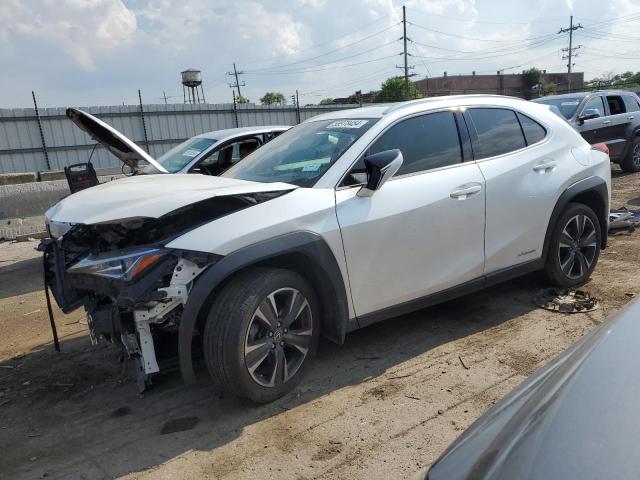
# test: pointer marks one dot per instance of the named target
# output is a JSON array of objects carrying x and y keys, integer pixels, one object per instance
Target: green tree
[
  {"x": 611, "y": 80},
  {"x": 242, "y": 99},
  {"x": 273, "y": 98},
  {"x": 326, "y": 101},
  {"x": 549, "y": 88},
  {"x": 393, "y": 90},
  {"x": 532, "y": 77}
]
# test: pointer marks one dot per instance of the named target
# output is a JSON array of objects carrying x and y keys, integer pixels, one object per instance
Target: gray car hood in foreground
[
  {"x": 576, "y": 419},
  {"x": 149, "y": 196}
]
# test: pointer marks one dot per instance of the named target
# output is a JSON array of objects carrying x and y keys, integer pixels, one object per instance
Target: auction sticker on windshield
[
  {"x": 192, "y": 152},
  {"x": 347, "y": 124}
]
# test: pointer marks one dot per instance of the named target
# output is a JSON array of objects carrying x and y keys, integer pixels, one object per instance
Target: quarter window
[
  {"x": 596, "y": 103},
  {"x": 498, "y": 131},
  {"x": 426, "y": 142},
  {"x": 533, "y": 131}
]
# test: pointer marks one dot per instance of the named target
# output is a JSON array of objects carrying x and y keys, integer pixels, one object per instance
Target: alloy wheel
[
  {"x": 578, "y": 244},
  {"x": 635, "y": 158},
  {"x": 278, "y": 337}
]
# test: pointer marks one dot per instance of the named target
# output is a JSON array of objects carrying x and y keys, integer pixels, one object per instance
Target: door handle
[
  {"x": 465, "y": 191},
  {"x": 544, "y": 166},
  {"x": 606, "y": 122},
  {"x": 630, "y": 117}
]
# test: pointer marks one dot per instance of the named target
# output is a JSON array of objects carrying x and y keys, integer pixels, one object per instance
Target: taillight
[{"x": 601, "y": 147}]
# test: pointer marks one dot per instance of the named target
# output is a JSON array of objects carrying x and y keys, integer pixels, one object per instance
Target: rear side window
[
  {"x": 498, "y": 131},
  {"x": 630, "y": 103},
  {"x": 533, "y": 131},
  {"x": 616, "y": 106},
  {"x": 426, "y": 142}
]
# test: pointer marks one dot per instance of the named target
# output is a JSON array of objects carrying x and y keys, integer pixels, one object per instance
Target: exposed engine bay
[{"x": 129, "y": 284}]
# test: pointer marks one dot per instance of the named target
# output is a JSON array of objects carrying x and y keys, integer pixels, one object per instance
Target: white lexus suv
[{"x": 347, "y": 219}]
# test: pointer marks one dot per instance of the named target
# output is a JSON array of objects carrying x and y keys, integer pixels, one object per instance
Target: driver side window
[
  {"x": 595, "y": 103},
  {"x": 426, "y": 142}
]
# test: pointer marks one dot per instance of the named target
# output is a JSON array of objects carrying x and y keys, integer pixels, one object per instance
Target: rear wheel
[
  {"x": 261, "y": 333},
  {"x": 631, "y": 163},
  {"x": 574, "y": 246}
]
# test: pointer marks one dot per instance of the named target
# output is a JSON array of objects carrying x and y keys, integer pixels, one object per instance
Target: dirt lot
[{"x": 384, "y": 405}]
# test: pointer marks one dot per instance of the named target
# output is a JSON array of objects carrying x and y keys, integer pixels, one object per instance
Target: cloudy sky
[{"x": 99, "y": 52}]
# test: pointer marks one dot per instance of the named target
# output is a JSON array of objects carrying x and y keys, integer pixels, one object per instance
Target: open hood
[
  {"x": 127, "y": 151},
  {"x": 149, "y": 196}
]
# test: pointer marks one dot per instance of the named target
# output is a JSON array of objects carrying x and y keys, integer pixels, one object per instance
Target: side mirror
[
  {"x": 588, "y": 114},
  {"x": 380, "y": 168}
]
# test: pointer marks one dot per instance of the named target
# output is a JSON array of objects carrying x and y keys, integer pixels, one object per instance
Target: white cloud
[{"x": 80, "y": 28}]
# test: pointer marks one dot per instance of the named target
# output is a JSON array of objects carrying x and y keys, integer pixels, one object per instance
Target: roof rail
[{"x": 409, "y": 103}]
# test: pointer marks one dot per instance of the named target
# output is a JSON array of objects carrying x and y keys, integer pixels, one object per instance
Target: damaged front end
[
  {"x": 130, "y": 285},
  {"x": 127, "y": 293}
]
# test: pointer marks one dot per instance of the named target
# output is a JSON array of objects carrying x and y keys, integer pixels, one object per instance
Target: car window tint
[
  {"x": 533, "y": 131},
  {"x": 616, "y": 106},
  {"x": 596, "y": 103},
  {"x": 630, "y": 103},
  {"x": 498, "y": 131},
  {"x": 426, "y": 142}
]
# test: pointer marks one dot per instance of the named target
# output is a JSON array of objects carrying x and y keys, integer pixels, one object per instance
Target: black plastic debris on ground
[
  {"x": 179, "y": 425},
  {"x": 565, "y": 300}
]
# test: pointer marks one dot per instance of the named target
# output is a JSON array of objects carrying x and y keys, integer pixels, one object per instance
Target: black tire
[
  {"x": 573, "y": 254},
  {"x": 234, "y": 326},
  {"x": 631, "y": 163}
]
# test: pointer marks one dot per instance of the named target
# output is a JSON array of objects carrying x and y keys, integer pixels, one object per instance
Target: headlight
[{"x": 126, "y": 266}]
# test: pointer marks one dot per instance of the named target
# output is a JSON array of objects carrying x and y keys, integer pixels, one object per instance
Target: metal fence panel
[{"x": 21, "y": 148}]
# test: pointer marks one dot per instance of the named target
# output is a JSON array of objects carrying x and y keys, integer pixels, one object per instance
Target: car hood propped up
[
  {"x": 127, "y": 151},
  {"x": 149, "y": 196}
]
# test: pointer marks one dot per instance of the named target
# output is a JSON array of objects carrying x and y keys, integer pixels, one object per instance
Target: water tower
[{"x": 191, "y": 80}]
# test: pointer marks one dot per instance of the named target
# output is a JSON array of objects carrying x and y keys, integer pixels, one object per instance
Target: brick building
[{"x": 501, "y": 84}]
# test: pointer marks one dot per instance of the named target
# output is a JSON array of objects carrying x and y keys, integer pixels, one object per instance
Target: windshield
[
  {"x": 179, "y": 156},
  {"x": 566, "y": 105},
  {"x": 302, "y": 154}
]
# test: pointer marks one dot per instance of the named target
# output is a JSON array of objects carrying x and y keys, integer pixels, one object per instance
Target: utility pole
[
  {"x": 406, "y": 65},
  {"x": 405, "y": 54},
  {"x": 569, "y": 55},
  {"x": 235, "y": 74},
  {"x": 164, "y": 95}
]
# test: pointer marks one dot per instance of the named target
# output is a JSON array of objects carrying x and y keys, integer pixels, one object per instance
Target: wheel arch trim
[
  {"x": 593, "y": 185},
  {"x": 308, "y": 244}
]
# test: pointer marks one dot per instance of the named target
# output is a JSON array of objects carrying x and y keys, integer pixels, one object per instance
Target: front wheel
[
  {"x": 631, "y": 163},
  {"x": 574, "y": 246},
  {"x": 261, "y": 333}
]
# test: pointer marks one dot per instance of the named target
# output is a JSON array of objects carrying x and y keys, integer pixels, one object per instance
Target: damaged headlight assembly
[{"x": 125, "y": 266}]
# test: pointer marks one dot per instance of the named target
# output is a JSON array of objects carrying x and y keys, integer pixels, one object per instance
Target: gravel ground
[{"x": 384, "y": 405}]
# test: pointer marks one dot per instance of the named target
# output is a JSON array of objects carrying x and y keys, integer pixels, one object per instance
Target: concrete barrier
[
  {"x": 15, "y": 178},
  {"x": 22, "y": 206}
]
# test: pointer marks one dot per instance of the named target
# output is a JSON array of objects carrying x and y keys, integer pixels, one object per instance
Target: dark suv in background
[{"x": 611, "y": 117}]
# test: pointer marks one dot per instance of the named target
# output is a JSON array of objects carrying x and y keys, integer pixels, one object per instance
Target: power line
[
  {"x": 475, "y": 58},
  {"x": 482, "y": 21},
  {"x": 330, "y": 68},
  {"x": 313, "y": 68},
  {"x": 326, "y": 53},
  {"x": 506, "y": 50},
  {"x": 357, "y": 81},
  {"x": 328, "y": 42},
  {"x": 524, "y": 40}
]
